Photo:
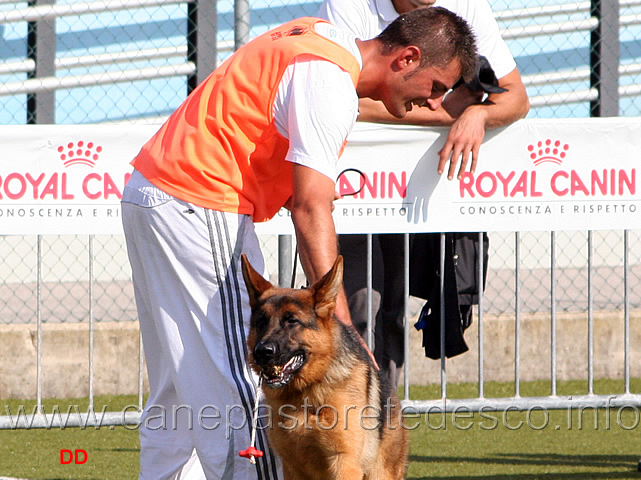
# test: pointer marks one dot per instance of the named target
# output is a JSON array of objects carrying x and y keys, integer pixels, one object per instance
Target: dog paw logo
[
  {"x": 548, "y": 151},
  {"x": 79, "y": 153}
]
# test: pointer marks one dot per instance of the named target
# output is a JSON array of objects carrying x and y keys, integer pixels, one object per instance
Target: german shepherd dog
[{"x": 330, "y": 417}]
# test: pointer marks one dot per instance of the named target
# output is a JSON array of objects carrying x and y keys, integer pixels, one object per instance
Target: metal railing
[
  {"x": 130, "y": 416},
  {"x": 517, "y": 401},
  {"x": 539, "y": 21}
]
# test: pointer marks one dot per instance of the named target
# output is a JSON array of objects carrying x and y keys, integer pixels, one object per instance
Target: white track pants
[{"x": 194, "y": 318}]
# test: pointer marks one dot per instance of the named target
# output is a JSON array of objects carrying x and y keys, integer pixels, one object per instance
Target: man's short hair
[{"x": 441, "y": 36}]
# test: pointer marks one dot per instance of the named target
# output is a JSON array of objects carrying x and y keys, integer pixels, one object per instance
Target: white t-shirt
[
  {"x": 367, "y": 18},
  {"x": 316, "y": 106}
]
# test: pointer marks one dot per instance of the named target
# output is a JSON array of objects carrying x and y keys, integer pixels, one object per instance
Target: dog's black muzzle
[
  {"x": 276, "y": 369},
  {"x": 265, "y": 353}
]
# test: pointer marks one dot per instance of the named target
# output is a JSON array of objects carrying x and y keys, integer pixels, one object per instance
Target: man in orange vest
[{"x": 263, "y": 131}]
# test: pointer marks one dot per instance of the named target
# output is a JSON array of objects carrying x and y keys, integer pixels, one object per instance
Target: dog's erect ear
[
  {"x": 327, "y": 288},
  {"x": 254, "y": 281}
]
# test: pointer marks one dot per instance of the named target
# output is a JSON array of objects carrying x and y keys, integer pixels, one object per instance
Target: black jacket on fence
[{"x": 460, "y": 287}]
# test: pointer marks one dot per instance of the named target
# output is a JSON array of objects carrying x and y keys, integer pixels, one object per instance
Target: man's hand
[
  {"x": 468, "y": 130},
  {"x": 463, "y": 142}
]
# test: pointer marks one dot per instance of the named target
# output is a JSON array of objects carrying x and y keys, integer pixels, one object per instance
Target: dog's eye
[{"x": 290, "y": 320}]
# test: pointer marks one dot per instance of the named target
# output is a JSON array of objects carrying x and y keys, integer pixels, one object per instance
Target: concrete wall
[
  {"x": 535, "y": 363},
  {"x": 65, "y": 360},
  {"x": 65, "y": 354}
]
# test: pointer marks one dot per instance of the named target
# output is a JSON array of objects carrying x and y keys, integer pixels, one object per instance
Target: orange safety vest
[{"x": 220, "y": 149}]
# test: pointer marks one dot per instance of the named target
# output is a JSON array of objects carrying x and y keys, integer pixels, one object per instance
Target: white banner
[
  {"x": 65, "y": 179},
  {"x": 571, "y": 174}
]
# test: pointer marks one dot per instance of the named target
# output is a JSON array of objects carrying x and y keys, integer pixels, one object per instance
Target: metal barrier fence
[
  {"x": 48, "y": 278},
  {"x": 595, "y": 290},
  {"x": 554, "y": 400},
  {"x": 134, "y": 61}
]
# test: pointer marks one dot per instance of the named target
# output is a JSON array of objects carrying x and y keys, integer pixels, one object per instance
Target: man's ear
[{"x": 408, "y": 58}]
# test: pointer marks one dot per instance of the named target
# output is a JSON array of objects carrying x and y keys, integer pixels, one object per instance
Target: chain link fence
[{"x": 133, "y": 61}]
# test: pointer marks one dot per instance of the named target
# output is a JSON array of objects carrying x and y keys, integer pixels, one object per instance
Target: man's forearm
[
  {"x": 505, "y": 108},
  {"x": 317, "y": 246},
  {"x": 316, "y": 242}
]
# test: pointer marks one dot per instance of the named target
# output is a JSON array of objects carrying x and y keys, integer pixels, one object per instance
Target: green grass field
[{"x": 554, "y": 445}]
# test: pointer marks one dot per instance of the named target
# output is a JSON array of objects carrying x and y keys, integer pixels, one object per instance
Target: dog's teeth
[{"x": 293, "y": 362}]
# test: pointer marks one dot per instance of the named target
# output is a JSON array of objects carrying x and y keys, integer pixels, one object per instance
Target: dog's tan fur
[{"x": 326, "y": 419}]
